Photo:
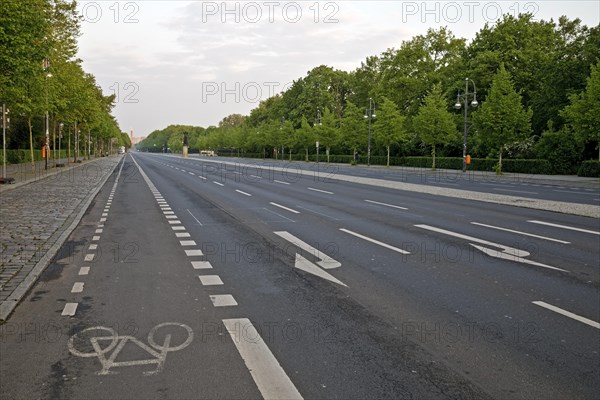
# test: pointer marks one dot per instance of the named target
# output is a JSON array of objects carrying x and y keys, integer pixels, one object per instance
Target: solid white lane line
[
  {"x": 187, "y": 242},
  {"x": 193, "y": 216},
  {"x": 77, "y": 287},
  {"x": 385, "y": 204},
  {"x": 223, "y": 300},
  {"x": 319, "y": 190},
  {"x": 282, "y": 182},
  {"x": 318, "y": 213},
  {"x": 514, "y": 191},
  {"x": 244, "y": 193},
  {"x": 572, "y": 192},
  {"x": 193, "y": 253},
  {"x": 270, "y": 378},
  {"x": 218, "y": 183},
  {"x": 285, "y": 208},
  {"x": 326, "y": 261},
  {"x": 89, "y": 257},
  {"x": 567, "y": 314},
  {"x": 84, "y": 270},
  {"x": 520, "y": 233},
  {"x": 210, "y": 280},
  {"x": 279, "y": 215},
  {"x": 564, "y": 227},
  {"x": 201, "y": 265},
  {"x": 377, "y": 242},
  {"x": 70, "y": 309},
  {"x": 182, "y": 234}
]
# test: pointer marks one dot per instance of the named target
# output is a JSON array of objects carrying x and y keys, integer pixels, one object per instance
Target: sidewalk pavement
[{"x": 37, "y": 214}]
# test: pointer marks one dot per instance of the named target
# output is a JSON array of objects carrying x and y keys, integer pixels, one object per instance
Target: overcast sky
[{"x": 195, "y": 62}]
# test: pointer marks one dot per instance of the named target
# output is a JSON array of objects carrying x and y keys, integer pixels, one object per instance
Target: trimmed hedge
[
  {"x": 589, "y": 169},
  {"x": 23, "y": 156}
]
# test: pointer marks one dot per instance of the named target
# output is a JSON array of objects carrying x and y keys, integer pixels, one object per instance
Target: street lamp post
[
  {"x": 47, "y": 122},
  {"x": 465, "y": 98},
  {"x": 318, "y": 122},
  {"x": 60, "y": 129},
  {"x": 370, "y": 114}
]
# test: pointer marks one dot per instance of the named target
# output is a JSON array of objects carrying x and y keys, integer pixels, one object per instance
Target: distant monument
[{"x": 185, "y": 145}]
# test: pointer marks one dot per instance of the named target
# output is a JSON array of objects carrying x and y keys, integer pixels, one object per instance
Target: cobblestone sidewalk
[{"x": 37, "y": 217}]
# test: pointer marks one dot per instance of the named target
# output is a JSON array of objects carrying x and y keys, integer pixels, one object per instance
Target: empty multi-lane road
[{"x": 210, "y": 278}]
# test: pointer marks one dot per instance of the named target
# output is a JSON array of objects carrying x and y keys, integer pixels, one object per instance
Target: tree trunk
[
  {"x": 433, "y": 156},
  {"x": 388, "y": 156},
  {"x": 499, "y": 171},
  {"x": 31, "y": 143},
  {"x": 327, "y": 151},
  {"x": 306, "y": 158}
]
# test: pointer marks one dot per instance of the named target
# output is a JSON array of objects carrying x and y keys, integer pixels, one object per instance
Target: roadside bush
[
  {"x": 590, "y": 169},
  {"x": 562, "y": 150}
]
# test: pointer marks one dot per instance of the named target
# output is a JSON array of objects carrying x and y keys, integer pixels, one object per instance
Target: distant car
[{"x": 122, "y": 150}]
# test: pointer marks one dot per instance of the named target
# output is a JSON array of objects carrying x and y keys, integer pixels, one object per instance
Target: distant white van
[
  {"x": 207, "y": 153},
  {"x": 122, "y": 150}
]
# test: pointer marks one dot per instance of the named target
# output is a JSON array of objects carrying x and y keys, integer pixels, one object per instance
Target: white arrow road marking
[
  {"x": 507, "y": 253},
  {"x": 326, "y": 261},
  {"x": 505, "y": 256},
  {"x": 567, "y": 314},
  {"x": 269, "y": 376},
  {"x": 505, "y": 249},
  {"x": 306, "y": 266}
]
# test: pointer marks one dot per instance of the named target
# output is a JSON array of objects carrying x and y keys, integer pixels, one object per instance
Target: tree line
[
  {"x": 536, "y": 83},
  {"x": 41, "y": 79}
]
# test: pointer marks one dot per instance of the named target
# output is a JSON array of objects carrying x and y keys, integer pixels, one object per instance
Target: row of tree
[
  {"x": 42, "y": 79},
  {"x": 536, "y": 84}
]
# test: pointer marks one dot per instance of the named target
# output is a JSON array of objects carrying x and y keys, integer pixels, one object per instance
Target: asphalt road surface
[{"x": 190, "y": 278}]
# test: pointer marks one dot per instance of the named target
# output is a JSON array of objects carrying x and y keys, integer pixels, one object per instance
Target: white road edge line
[
  {"x": 385, "y": 204},
  {"x": 564, "y": 227},
  {"x": 520, "y": 233},
  {"x": 368, "y": 239},
  {"x": 269, "y": 376},
  {"x": 285, "y": 208},
  {"x": 567, "y": 314}
]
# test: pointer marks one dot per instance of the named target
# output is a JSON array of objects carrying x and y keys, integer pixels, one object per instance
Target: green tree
[
  {"x": 433, "y": 123},
  {"x": 502, "y": 118},
  {"x": 353, "y": 128},
  {"x": 389, "y": 126},
  {"x": 583, "y": 114},
  {"x": 305, "y": 136},
  {"x": 327, "y": 131}
]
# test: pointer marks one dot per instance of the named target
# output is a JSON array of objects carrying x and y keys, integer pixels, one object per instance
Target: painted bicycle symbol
[{"x": 109, "y": 341}]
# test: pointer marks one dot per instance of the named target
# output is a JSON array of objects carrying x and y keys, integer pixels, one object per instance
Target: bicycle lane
[{"x": 117, "y": 315}]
